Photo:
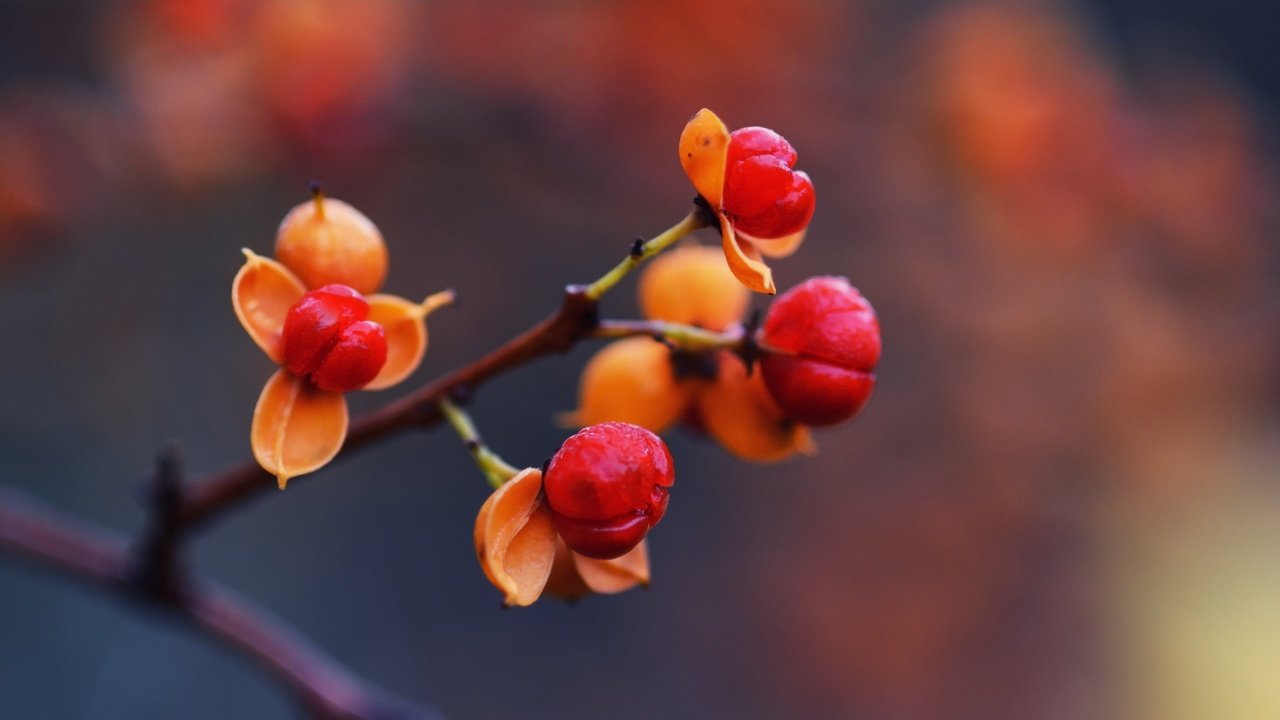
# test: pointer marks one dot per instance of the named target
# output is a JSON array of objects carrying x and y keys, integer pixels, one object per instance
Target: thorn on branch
[
  {"x": 154, "y": 568},
  {"x": 166, "y": 486}
]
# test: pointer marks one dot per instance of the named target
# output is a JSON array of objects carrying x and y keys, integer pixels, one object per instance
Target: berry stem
[
  {"x": 685, "y": 337},
  {"x": 695, "y": 220},
  {"x": 317, "y": 196},
  {"x": 495, "y": 469}
]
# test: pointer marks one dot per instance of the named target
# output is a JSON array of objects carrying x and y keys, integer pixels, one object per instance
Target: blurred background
[{"x": 1061, "y": 503}]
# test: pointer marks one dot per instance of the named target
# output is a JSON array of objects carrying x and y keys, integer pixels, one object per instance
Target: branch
[{"x": 102, "y": 559}]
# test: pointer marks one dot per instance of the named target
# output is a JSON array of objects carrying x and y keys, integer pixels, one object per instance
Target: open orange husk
[
  {"x": 574, "y": 576},
  {"x": 739, "y": 413},
  {"x": 404, "y": 323},
  {"x": 261, "y": 295},
  {"x": 704, "y": 152},
  {"x": 297, "y": 428},
  {"x": 744, "y": 260},
  {"x": 515, "y": 539}
]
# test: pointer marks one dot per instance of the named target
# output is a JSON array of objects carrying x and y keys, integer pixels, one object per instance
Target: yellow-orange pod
[
  {"x": 574, "y": 576},
  {"x": 297, "y": 427},
  {"x": 738, "y": 412},
  {"x": 704, "y": 150},
  {"x": 630, "y": 380},
  {"x": 692, "y": 285},
  {"x": 326, "y": 241},
  {"x": 515, "y": 539}
]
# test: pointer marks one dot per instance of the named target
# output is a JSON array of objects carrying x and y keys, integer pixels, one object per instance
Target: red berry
[
  {"x": 354, "y": 360},
  {"x": 829, "y": 342},
  {"x": 751, "y": 141},
  {"x": 327, "y": 338},
  {"x": 607, "y": 486},
  {"x": 762, "y": 192}
]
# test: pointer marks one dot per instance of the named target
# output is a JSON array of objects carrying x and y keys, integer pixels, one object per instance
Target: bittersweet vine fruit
[
  {"x": 327, "y": 242},
  {"x": 748, "y": 178},
  {"x": 691, "y": 285},
  {"x": 522, "y": 555},
  {"x": 630, "y": 380},
  {"x": 825, "y": 343},
  {"x": 607, "y": 486},
  {"x": 326, "y": 341}
]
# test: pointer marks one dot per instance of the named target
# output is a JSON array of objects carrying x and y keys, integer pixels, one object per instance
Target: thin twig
[
  {"x": 496, "y": 470},
  {"x": 102, "y": 559},
  {"x": 684, "y": 337}
]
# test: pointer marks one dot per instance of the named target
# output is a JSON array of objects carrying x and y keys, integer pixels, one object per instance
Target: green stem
[
  {"x": 685, "y": 337},
  {"x": 695, "y": 220},
  {"x": 495, "y": 469}
]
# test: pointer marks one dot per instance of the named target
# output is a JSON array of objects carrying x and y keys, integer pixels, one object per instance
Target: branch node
[
  {"x": 460, "y": 394},
  {"x": 659, "y": 337},
  {"x": 706, "y": 214},
  {"x": 749, "y": 349},
  {"x": 154, "y": 563}
]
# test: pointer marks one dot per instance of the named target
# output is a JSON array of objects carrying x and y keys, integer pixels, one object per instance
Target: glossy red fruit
[
  {"x": 607, "y": 486},
  {"x": 763, "y": 194},
  {"x": 327, "y": 338},
  {"x": 827, "y": 339}
]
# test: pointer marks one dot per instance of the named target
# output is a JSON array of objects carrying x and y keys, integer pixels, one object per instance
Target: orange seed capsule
[
  {"x": 327, "y": 242},
  {"x": 630, "y": 380},
  {"x": 692, "y": 285}
]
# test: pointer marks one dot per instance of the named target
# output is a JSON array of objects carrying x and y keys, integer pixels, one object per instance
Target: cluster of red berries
[
  {"x": 609, "y": 484},
  {"x": 579, "y": 524}
]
